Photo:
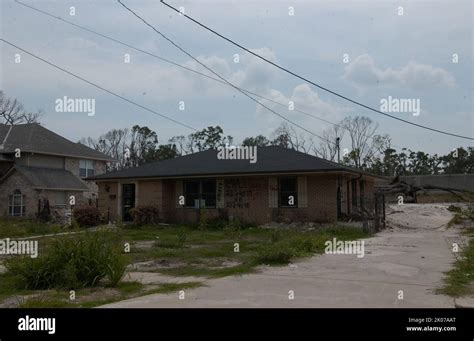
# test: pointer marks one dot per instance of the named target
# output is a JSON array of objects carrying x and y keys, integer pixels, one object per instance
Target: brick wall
[
  {"x": 12, "y": 183},
  {"x": 245, "y": 198},
  {"x": 72, "y": 165},
  {"x": 108, "y": 200}
]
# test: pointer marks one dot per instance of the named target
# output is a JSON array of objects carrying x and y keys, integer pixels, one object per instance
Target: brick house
[
  {"x": 36, "y": 163},
  {"x": 283, "y": 185}
]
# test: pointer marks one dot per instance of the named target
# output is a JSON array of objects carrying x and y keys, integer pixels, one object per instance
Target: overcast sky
[{"x": 405, "y": 57}]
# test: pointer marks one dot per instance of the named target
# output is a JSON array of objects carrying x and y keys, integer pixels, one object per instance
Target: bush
[
  {"x": 453, "y": 208},
  {"x": 71, "y": 263},
  {"x": 87, "y": 216},
  {"x": 143, "y": 215},
  {"x": 273, "y": 255}
]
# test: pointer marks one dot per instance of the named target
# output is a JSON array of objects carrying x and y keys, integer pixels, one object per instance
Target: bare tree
[
  {"x": 180, "y": 143},
  {"x": 327, "y": 147},
  {"x": 286, "y": 136},
  {"x": 12, "y": 112},
  {"x": 114, "y": 143},
  {"x": 361, "y": 130}
]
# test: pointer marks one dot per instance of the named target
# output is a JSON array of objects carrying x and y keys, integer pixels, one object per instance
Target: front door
[{"x": 128, "y": 201}]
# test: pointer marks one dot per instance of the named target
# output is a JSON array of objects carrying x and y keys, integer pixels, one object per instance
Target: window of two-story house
[
  {"x": 288, "y": 192},
  {"x": 59, "y": 199},
  {"x": 86, "y": 168},
  {"x": 200, "y": 193},
  {"x": 16, "y": 204}
]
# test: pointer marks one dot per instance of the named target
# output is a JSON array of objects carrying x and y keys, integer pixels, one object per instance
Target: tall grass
[{"x": 72, "y": 262}]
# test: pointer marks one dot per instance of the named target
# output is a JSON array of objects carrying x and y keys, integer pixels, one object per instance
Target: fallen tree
[{"x": 396, "y": 186}]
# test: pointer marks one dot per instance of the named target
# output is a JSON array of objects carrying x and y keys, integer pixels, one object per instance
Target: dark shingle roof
[
  {"x": 50, "y": 178},
  {"x": 269, "y": 160},
  {"x": 35, "y": 138}
]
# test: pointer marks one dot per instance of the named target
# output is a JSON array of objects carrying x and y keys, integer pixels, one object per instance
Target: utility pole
[{"x": 338, "y": 149}]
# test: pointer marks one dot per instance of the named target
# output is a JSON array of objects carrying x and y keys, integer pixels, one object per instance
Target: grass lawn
[
  {"x": 183, "y": 251},
  {"x": 174, "y": 251},
  {"x": 84, "y": 298},
  {"x": 460, "y": 280},
  {"x": 21, "y": 228}
]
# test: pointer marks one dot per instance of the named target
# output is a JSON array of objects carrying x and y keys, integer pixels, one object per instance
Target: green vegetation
[
  {"x": 461, "y": 215},
  {"x": 72, "y": 262},
  {"x": 93, "y": 263},
  {"x": 460, "y": 280},
  {"x": 20, "y": 228},
  {"x": 189, "y": 251}
]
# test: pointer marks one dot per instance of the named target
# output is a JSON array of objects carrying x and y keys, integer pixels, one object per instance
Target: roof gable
[
  {"x": 271, "y": 159},
  {"x": 48, "y": 178},
  {"x": 35, "y": 138}
]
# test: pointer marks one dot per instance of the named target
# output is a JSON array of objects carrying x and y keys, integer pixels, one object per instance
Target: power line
[
  {"x": 220, "y": 77},
  {"x": 179, "y": 65},
  {"x": 98, "y": 86},
  {"x": 311, "y": 82}
]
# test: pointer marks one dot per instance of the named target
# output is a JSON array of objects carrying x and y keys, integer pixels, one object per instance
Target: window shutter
[
  {"x": 220, "y": 193},
  {"x": 272, "y": 192},
  {"x": 302, "y": 192},
  {"x": 179, "y": 192}
]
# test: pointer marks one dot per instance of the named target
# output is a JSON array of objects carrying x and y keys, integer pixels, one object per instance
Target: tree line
[
  {"x": 366, "y": 149},
  {"x": 369, "y": 151}
]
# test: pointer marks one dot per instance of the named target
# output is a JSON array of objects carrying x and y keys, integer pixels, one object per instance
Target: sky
[{"x": 364, "y": 50}]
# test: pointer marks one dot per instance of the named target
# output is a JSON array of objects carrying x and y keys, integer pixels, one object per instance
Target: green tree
[
  {"x": 259, "y": 141},
  {"x": 459, "y": 161},
  {"x": 208, "y": 138}
]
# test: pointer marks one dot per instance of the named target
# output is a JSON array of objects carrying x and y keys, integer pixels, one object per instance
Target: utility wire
[
  {"x": 98, "y": 86},
  {"x": 311, "y": 82},
  {"x": 182, "y": 66},
  {"x": 220, "y": 77}
]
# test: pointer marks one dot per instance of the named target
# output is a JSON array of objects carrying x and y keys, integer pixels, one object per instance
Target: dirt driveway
[{"x": 401, "y": 268}]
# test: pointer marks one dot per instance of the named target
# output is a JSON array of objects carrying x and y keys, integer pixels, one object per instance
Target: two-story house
[{"x": 36, "y": 163}]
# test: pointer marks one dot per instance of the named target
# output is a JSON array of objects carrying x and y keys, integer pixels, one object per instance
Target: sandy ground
[{"x": 402, "y": 267}]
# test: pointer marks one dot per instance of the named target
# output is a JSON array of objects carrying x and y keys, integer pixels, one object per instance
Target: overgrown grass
[
  {"x": 184, "y": 251},
  {"x": 126, "y": 290},
  {"x": 18, "y": 228},
  {"x": 212, "y": 253},
  {"x": 72, "y": 262},
  {"x": 459, "y": 281},
  {"x": 461, "y": 215}
]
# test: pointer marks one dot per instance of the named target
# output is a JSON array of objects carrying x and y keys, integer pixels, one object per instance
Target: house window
[
  {"x": 86, "y": 168},
  {"x": 59, "y": 198},
  {"x": 288, "y": 192},
  {"x": 200, "y": 193},
  {"x": 16, "y": 204}
]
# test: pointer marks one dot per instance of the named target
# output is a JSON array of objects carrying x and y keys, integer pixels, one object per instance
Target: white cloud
[
  {"x": 363, "y": 72},
  {"x": 255, "y": 74},
  {"x": 304, "y": 100}
]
